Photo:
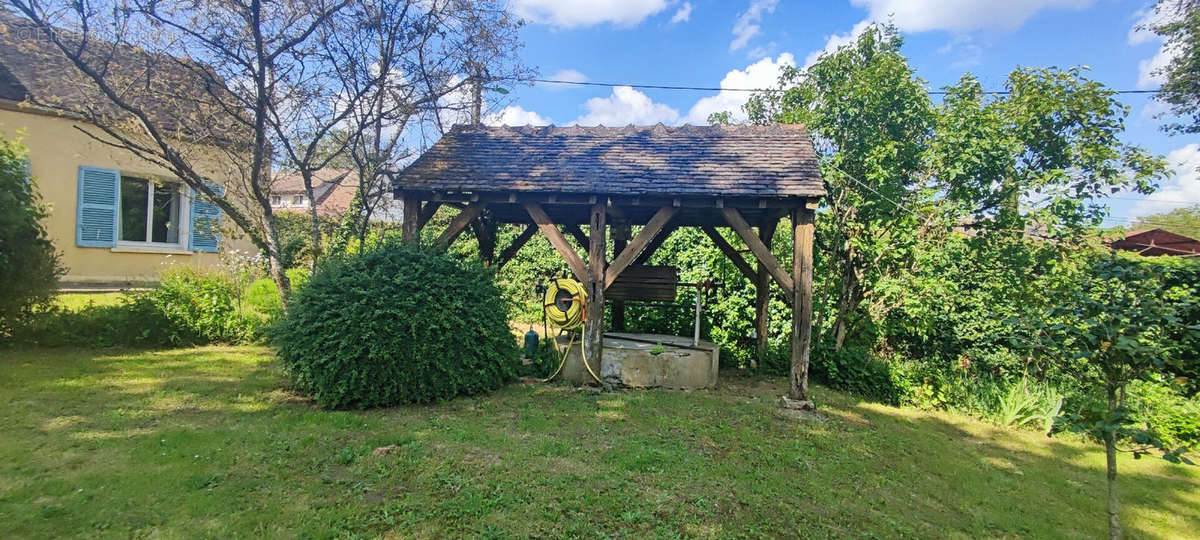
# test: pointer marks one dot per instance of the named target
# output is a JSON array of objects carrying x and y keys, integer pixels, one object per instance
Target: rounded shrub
[{"x": 398, "y": 324}]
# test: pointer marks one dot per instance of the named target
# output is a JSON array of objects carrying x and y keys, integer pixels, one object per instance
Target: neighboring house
[
  {"x": 1153, "y": 242},
  {"x": 115, "y": 217},
  {"x": 333, "y": 191}
]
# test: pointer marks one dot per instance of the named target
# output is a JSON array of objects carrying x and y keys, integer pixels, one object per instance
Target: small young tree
[
  {"x": 1118, "y": 325},
  {"x": 28, "y": 261}
]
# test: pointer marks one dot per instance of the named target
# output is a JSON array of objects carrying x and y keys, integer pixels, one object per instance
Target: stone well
[{"x": 646, "y": 361}]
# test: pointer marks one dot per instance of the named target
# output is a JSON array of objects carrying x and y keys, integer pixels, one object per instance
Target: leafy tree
[
  {"x": 1179, "y": 25},
  {"x": 28, "y": 261},
  {"x": 871, "y": 118},
  {"x": 1044, "y": 154},
  {"x": 1118, "y": 325},
  {"x": 1185, "y": 221}
]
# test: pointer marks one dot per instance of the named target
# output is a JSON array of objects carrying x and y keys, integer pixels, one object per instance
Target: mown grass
[
  {"x": 209, "y": 442},
  {"x": 78, "y": 301}
]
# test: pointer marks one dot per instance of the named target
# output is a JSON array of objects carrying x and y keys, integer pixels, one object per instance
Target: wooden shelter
[{"x": 557, "y": 179}]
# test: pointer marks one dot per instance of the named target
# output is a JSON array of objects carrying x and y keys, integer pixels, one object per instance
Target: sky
[{"x": 744, "y": 43}]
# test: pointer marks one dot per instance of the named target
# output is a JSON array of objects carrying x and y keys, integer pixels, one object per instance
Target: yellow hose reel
[{"x": 564, "y": 301}]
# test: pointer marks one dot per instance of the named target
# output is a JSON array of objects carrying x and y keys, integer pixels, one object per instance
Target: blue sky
[{"x": 742, "y": 43}]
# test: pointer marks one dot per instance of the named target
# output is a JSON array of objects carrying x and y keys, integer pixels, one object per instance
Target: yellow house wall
[{"x": 56, "y": 151}]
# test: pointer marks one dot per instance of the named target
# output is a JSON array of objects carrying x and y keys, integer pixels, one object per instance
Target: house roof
[
  {"x": 705, "y": 161},
  {"x": 34, "y": 71},
  {"x": 333, "y": 189},
  {"x": 1158, "y": 242}
]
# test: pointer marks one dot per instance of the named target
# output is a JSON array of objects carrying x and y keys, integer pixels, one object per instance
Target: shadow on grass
[{"x": 207, "y": 442}]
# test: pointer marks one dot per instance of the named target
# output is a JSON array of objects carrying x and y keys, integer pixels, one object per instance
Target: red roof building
[{"x": 1153, "y": 242}]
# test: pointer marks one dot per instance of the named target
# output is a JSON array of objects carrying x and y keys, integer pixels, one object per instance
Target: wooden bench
[{"x": 641, "y": 283}]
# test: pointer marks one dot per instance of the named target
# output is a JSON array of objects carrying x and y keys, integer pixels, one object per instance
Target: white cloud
[
  {"x": 514, "y": 115},
  {"x": 683, "y": 14},
  {"x": 965, "y": 50},
  {"x": 834, "y": 41},
  {"x": 626, "y": 106},
  {"x": 579, "y": 13},
  {"x": 960, "y": 15},
  {"x": 1149, "y": 75},
  {"x": 761, "y": 74},
  {"x": 1184, "y": 186},
  {"x": 569, "y": 75},
  {"x": 747, "y": 24}
]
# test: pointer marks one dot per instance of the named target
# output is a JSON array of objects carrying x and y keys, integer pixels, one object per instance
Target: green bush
[
  {"x": 134, "y": 322},
  {"x": 1172, "y": 417},
  {"x": 29, "y": 264},
  {"x": 189, "y": 307},
  {"x": 397, "y": 324},
  {"x": 854, "y": 371},
  {"x": 202, "y": 304}
]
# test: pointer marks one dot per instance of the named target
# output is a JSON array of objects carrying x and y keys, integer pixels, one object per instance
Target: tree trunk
[
  {"x": 1110, "y": 455},
  {"x": 315, "y": 219},
  {"x": 275, "y": 262}
]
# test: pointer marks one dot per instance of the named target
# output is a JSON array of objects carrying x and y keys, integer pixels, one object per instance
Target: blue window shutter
[
  {"x": 96, "y": 211},
  {"x": 206, "y": 222}
]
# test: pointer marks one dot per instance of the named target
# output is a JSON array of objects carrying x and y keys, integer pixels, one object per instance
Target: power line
[{"x": 719, "y": 89}]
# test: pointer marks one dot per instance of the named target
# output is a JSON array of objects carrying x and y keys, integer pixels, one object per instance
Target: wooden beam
[
  {"x": 730, "y": 253},
  {"x": 485, "y": 235},
  {"x": 427, "y": 212},
  {"x": 760, "y": 250},
  {"x": 802, "y": 308},
  {"x": 762, "y": 294},
  {"x": 593, "y": 339},
  {"x": 559, "y": 242},
  {"x": 577, "y": 234},
  {"x": 411, "y": 214},
  {"x": 459, "y": 224},
  {"x": 656, "y": 243},
  {"x": 639, "y": 243},
  {"x": 516, "y": 245}
]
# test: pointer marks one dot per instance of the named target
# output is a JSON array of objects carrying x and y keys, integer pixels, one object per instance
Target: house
[
  {"x": 333, "y": 192},
  {"x": 115, "y": 217},
  {"x": 1152, "y": 242}
]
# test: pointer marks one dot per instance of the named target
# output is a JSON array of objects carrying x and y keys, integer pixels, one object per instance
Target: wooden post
[
  {"x": 621, "y": 234},
  {"x": 593, "y": 339},
  {"x": 411, "y": 225},
  {"x": 802, "y": 308},
  {"x": 485, "y": 235},
  {"x": 762, "y": 295}
]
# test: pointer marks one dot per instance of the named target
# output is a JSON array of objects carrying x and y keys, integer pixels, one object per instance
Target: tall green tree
[
  {"x": 1044, "y": 154},
  {"x": 28, "y": 260},
  {"x": 1178, "y": 22},
  {"x": 871, "y": 118}
]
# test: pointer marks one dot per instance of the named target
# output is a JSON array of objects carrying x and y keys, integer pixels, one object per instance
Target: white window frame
[
  {"x": 276, "y": 200},
  {"x": 298, "y": 203},
  {"x": 185, "y": 213}
]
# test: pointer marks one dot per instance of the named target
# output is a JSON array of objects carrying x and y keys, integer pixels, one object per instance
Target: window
[
  {"x": 297, "y": 200},
  {"x": 151, "y": 211},
  {"x": 276, "y": 200}
]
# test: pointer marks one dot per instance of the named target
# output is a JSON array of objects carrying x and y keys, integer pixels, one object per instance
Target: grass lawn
[
  {"x": 208, "y": 442},
  {"x": 78, "y": 301}
]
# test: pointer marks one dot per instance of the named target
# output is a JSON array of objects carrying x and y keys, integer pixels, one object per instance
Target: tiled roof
[
  {"x": 730, "y": 161},
  {"x": 33, "y": 70},
  {"x": 333, "y": 189}
]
